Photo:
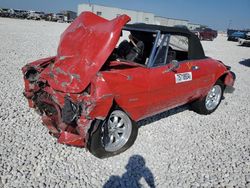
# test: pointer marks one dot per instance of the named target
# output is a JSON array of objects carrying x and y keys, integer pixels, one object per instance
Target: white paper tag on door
[{"x": 183, "y": 77}]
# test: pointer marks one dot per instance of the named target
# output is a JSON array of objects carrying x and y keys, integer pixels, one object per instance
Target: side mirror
[{"x": 174, "y": 64}]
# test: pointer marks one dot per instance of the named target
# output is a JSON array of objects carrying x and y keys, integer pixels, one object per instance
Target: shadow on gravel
[
  {"x": 162, "y": 115},
  {"x": 245, "y": 45},
  {"x": 245, "y": 62},
  {"x": 136, "y": 170}
]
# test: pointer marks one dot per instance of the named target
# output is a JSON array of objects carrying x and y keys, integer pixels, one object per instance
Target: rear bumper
[
  {"x": 74, "y": 134},
  {"x": 244, "y": 41},
  {"x": 70, "y": 128},
  {"x": 64, "y": 133}
]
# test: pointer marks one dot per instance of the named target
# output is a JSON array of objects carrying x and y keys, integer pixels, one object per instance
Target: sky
[{"x": 218, "y": 14}]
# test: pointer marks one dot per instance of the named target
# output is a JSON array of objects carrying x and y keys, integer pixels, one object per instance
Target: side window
[
  {"x": 161, "y": 51},
  {"x": 178, "y": 48}
]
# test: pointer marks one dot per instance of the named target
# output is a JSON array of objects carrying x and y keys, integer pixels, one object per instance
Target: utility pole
[{"x": 229, "y": 24}]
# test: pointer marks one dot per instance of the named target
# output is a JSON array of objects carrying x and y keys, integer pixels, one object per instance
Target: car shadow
[
  {"x": 137, "y": 171},
  {"x": 245, "y": 62},
  {"x": 163, "y": 115},
  {"x": 245, "y": 45}
]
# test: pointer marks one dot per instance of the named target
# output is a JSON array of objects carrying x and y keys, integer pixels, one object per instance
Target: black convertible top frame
[{"x": 195, "y": 50}]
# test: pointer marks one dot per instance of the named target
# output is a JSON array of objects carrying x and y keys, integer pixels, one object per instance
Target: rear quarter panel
[
  {"x": 212, "y": 70},
  {"x": 130, "y": 89}
]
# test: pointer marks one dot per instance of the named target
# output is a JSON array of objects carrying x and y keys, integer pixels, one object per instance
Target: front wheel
[
  {"x": 113, "y": 135},
  {"x": 211, "y": 101}
]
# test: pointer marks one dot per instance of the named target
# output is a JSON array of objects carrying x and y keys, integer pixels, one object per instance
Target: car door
[
  {"x": 130, "y": 88},
  {"x": 202, "y": 75},
  {"x": 169, "y": 89},
  {"x": 170, "y": 86}
]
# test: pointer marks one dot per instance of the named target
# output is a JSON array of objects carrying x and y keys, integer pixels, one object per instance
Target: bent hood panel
[{"x": 84, "y": 47}]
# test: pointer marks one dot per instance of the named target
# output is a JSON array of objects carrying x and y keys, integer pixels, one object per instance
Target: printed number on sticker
[{"x": 183, "y": 77}]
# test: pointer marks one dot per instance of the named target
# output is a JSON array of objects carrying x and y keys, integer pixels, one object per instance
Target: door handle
[{"x": 195, "y": 67}]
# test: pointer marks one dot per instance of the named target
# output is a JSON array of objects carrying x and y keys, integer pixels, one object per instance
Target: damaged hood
[{"x": 84, "y": 47}]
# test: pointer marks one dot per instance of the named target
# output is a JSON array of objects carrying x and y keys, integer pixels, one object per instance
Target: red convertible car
[{"x": 107, "y": 75}]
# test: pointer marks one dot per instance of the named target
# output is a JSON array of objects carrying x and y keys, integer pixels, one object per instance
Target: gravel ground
[{"x": 178, "y": 148}]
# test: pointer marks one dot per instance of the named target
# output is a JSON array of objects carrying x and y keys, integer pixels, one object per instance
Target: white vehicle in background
[
  {"x": 245, "y": 41},
  {"x": 58, "y": 17},
  {"x": 34, "y": 15},
  {"x": 4, "y": 12}
]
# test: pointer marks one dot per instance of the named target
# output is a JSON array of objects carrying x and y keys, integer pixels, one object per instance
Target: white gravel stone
[{"x": 180, "y": 147}]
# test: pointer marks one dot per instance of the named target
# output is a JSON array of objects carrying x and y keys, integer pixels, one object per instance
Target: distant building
[
  {"x": 112, "y": 12},
  {"x": 169, "y": 21},
  {"x": 136, "y": 16}
]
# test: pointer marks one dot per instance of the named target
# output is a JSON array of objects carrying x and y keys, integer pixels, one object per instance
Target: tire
[
  {"x": 241, "y": 43},
  {"x": 211, "y": 101},
  {"x": 111, "y": 136}
]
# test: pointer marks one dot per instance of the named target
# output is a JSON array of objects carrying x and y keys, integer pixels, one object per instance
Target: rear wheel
[
  {"x": 211, "y": 101},
  {"x": 113, "y": 135}
]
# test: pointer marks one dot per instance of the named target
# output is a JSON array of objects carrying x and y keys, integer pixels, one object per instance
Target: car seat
[{"x": 136, "y": 53}]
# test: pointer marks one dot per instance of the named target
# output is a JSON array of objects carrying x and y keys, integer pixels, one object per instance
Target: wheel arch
[
  {"x": 99, "y": 115},
  {"x": 222, "y": 79},
  {"x": 104, "y": 107},
  {"x": 227, "y": 78},
  {"x": 95, "y": 128}
]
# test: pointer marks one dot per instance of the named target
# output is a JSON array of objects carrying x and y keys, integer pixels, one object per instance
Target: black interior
[
  {"x": 181, "y": 55},
  {"x": 195, "y": 50},
  {"x": 126, "y": 51}
]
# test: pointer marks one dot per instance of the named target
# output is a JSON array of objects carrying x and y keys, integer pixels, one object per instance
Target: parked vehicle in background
[
  {"x": 23, "y": 14},
  {"x": 245, "y": 41},
  {"x": 17, "y": 13},
  {"x": 34, "y": 15},
  {"x": 11, "y": 13},
  {"x": 64, "y": 16},
  {"x": 95, "y": 89},
  {"x": 238, "y": 33},
  {"x": 58, "y": 17},
  {"x": 235, "y": 36},
  {"x": 48, "y": 17},
  {"x": 205, "y": 33},
  {"x": 4, "y": 12}
]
